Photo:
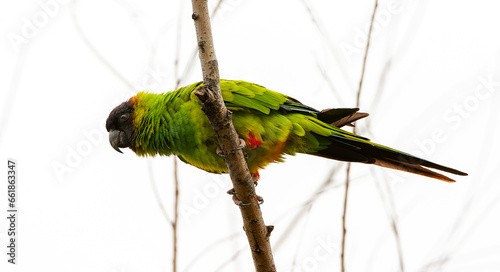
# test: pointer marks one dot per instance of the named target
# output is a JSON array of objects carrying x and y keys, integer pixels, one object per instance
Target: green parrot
[{"x": 269, "y": 123}]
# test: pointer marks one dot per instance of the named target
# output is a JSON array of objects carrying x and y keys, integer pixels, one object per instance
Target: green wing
[{"x": 242, "y": 95}]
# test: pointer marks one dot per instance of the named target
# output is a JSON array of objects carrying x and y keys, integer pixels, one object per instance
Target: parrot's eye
[{"x": 123, "y": 117}]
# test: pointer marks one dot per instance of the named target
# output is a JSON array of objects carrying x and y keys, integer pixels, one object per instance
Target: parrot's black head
[{"x": 120, "y": 126}]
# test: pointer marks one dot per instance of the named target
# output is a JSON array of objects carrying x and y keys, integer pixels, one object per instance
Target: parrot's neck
[{"x": 152, "y": 123}]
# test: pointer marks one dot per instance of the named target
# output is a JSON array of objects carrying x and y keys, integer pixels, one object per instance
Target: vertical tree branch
[
  {"x": 220, "y": 118},
  {"x": 344, "y": 229},
  {"x": 176, "y": 176},
  {"x": 366, "y": 55},
  {"x": 358, "y": 96},
  {"x": 176, "y": 216}
]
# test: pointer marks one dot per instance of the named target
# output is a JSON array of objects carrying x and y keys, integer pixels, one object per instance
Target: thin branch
[
  {"x": 366, "y": 54},
  {"x": 176, "y": 176},
  {"x": 178, "y": 80},
  {"x": 220, "y": 118},
  {"x": 344, "y": 230},
  {"x": 176, "y": 216}
]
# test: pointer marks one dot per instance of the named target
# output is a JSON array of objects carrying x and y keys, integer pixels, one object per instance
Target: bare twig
[
  {"x": 178, "y": 80},
  {"x": 176, "y": 216},
  {"x": 220, "y": 118},
  {"x": 344, "y": 230},
  {"x": 366, "y": 53},
  {"x": 176, "y": 176}
]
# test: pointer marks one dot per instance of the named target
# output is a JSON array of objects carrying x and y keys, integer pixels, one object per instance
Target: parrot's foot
[
  {"x": 240, "y": 147},
  {"x": 238, "y": 202}
]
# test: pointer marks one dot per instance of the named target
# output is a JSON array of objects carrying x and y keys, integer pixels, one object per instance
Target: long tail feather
[
  {"x": 353, "y": 150},
  {"x": 416, "y": 169}
]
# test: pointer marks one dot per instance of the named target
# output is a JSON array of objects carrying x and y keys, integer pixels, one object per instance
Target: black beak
[{"x": 117, "y": 139}]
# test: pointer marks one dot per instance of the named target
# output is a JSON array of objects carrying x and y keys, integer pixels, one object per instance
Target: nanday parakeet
[{"x": 270, "y": 123}]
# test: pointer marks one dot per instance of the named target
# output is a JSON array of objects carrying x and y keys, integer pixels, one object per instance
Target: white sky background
[{"x": 432, "y": 87}]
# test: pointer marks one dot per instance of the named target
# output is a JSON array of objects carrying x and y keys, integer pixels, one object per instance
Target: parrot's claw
[
  {"x": 235, "y": 198},
  {"x": 240, "y": 147},
  {"x": 238, "y": 202},
  {"x": 219, "y": 152}
]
